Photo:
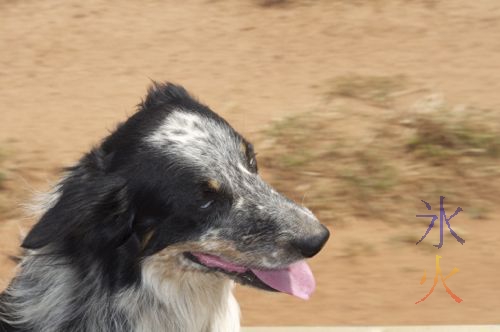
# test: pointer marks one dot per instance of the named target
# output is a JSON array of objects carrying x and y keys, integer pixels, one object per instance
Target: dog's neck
[
  {"x": 49, "y": 295},
  {"x": 187, "y": 301}
]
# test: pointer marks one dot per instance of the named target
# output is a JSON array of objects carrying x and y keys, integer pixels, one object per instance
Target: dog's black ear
[
  {"x": 93, "y": 208},
  {"x": 160, "y": 94}
]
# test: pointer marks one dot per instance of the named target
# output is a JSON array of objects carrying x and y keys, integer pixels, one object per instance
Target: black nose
[{"x": 310, "y": 246}]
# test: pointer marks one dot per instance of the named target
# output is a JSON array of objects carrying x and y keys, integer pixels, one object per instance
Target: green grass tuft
[{"x": 440, "y": 139}]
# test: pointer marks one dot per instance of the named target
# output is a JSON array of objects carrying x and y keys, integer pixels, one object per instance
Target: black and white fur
[{"x": 111, "y": 251}]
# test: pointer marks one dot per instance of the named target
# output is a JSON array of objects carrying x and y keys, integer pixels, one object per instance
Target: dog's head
[{"x": 177, "y": 188}]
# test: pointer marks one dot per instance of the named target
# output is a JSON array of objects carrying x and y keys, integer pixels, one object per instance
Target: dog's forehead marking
[
  {"x": 183, "y": 128},
  {"x": 191, "y": 135},
  {"x": 200, "y": 141}
]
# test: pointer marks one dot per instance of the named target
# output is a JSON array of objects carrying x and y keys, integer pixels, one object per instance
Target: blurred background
[{"x": 359, "y": 109}]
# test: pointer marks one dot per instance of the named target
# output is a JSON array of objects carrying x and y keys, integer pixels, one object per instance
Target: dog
[{"x": 150, "y": 230}]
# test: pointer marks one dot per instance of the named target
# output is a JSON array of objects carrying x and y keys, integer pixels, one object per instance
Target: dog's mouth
[{"x": 295, "y": 279}]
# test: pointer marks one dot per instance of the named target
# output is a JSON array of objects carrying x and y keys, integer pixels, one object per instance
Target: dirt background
[{"x": 70, "y": 70}]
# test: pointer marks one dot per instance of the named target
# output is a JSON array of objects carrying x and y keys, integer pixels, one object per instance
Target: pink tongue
[{"x": 297, "y": 279}]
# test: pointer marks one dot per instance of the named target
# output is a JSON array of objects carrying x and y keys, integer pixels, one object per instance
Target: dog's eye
[{"x": 207, "y": 205}]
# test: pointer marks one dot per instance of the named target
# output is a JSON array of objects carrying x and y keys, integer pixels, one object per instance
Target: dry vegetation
[
  {"x": 376, "y": 90},
  {"x": 401, "y": 152}
]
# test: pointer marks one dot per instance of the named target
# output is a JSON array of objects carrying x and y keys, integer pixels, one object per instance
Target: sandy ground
[{"x": 70, "y": 70}]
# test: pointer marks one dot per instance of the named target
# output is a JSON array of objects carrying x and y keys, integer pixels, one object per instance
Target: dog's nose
[{"x": 310, "y": 246}]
